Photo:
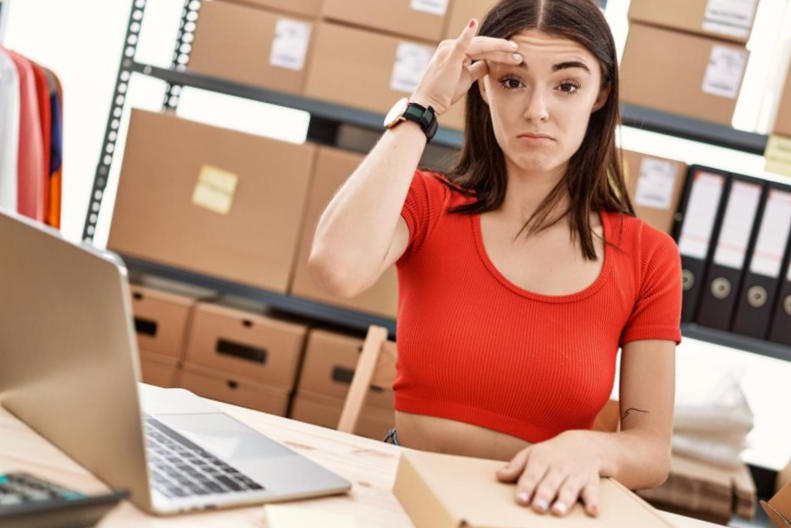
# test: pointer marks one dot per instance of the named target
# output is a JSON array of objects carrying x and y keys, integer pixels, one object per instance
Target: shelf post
[{"x": 114, "y": 119}]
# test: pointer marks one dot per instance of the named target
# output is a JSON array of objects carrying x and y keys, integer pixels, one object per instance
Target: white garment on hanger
[{"x": 9, "y": 131}]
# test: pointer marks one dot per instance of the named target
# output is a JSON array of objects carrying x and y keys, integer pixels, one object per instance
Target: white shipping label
[
  {"x": 656, "y": 184},
  {"x": 411, "y": 63},
  {"x": 291, "y": 43},
  {"x": 704, "y": 201},
  {"x": 433, "y": 7},
  {"x": 724, "y": 29},
  {"x": 737, "y": 14},
  {"x": 773, "y": 235},
  {"x": 737, "y": 226},
  {"x": 725, "y": 71}
]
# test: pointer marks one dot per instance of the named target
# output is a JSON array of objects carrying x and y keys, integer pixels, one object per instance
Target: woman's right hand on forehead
[{"x": 451, "y": 72}]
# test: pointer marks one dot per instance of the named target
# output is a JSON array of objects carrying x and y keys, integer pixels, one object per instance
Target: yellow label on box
[
  {"x": 293, "y": 516},
  {"x": 778, "y": 155},
  {"x": 215, "y": 189}
]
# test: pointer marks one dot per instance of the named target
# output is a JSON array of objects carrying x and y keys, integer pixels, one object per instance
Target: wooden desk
[{"x": 369, "y": 464}]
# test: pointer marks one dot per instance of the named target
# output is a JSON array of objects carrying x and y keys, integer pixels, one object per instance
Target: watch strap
[{"x": 425, "y": 117}]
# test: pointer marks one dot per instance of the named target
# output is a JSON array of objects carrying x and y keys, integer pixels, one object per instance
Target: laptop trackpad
[{"x": 224, "y": 436}]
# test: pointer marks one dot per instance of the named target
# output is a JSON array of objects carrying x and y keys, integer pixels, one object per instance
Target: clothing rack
[{"x": 31, "y": 137}]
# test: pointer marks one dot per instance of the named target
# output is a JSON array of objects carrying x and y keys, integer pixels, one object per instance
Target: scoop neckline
[{"x": 571, "y": 297}]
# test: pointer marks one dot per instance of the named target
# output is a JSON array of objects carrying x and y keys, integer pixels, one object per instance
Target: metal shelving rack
[{"x": 326, "y": 118}]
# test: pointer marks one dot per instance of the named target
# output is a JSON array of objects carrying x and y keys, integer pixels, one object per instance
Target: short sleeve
[
  {"x": 657, "y": 312},
  {"x": 425, "y": 204}
]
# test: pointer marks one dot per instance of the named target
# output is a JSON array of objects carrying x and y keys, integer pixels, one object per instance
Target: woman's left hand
[{"x": 554, "y": 474}]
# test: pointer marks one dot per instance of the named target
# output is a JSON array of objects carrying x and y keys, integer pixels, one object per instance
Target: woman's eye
[
  {"x": 511, "y": 84},
  {"x": 569, "y": 88}
]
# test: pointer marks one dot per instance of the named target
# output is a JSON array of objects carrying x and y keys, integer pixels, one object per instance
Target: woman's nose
[{"x": 537, "y": 110}]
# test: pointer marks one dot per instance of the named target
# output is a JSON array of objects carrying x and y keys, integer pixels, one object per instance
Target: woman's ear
[{"x": 601, "y": 100}]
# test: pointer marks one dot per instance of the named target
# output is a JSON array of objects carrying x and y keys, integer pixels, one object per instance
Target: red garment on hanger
[
  {"x": 32, "y": 177},
  {"x": 45, "y": 118}
]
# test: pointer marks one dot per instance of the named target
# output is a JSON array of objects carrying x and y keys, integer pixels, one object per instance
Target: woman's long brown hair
[{"x": 594, "y": 180}]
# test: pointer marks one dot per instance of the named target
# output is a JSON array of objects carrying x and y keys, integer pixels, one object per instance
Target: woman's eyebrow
[
  {"x": 570, "y": 64},
  {"x": 565, "y": 65}
]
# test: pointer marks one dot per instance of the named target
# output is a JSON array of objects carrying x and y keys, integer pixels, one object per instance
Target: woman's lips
[{"x": 535, "y": 140}]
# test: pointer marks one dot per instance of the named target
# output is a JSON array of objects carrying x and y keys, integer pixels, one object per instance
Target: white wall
[{"x": 82, "y": 40}]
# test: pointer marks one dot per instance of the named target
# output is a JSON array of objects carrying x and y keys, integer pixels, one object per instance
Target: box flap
[
  {"x": 466, "y": 491},
  {"x": 777, "y": 518},
  {"x": 779, "y": 507}
]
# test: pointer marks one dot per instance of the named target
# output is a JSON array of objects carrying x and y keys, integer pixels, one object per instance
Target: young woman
[{"x": 523, "y": 270}]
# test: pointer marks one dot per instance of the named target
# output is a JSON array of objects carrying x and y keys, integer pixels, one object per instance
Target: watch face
[{"x": 395, "y": 113}]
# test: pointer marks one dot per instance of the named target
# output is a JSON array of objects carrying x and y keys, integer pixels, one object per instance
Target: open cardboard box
[
  {"x": 779, "y": 508},
  {"x": 444, "y": 491}
]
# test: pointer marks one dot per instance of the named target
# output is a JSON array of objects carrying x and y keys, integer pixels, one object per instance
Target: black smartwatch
[{"x": 403, "y": 110}]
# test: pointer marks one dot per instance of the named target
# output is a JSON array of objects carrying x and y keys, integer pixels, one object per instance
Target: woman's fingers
[
  {"x": 465, "y": 40},
  {"x": 478, "y": 71},
  {"x": 567, "y": 496},
  {"x": 547, "y": 489},
  {"x": 508, "y": 58},
  {"x": 590, "y": 497},
  {"x": 531, "y": 479},
  {"x": 515, "y": 468},
  {"x": 482, "y": 45}
]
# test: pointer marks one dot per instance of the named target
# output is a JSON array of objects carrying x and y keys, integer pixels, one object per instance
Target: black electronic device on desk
[{"x": 30, "y": 502}]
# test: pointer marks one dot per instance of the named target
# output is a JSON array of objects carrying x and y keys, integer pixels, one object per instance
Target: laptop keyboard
[{"x": 180, "y": 468}]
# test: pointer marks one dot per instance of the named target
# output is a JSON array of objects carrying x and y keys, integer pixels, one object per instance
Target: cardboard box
[
  {"x": 421, "y": 19},
  {"x": 260, "y": 348},
  {"x": 444, "y": 491},
  {"x": 655, "y": 186},
  {"x": 712, "y": 18},
  {"x": 234, "y": 389},
  {"x": 161, "y": 320},
  {"x": 461, "y": 12},
  {"x": 210, "y": 200},
  {"x": 159, "y": 370},
  {"x": 374, "y": 422},
  {"x": 307, "y": 8},
  {"x": 328, "y": 369},
  {"x": 682, "y": 74},
  {"x": 783, "y": 478},
  {"x": 705, "y": 491},
  {"x": 783, "y": 122},
  {"x": 779, "y": 508},
  {"x": 381, "y": 70},
  {"x": 333, "y": 168},
  {"x": 252, "y": 46}
]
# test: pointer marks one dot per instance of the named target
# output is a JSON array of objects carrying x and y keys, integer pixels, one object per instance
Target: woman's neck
[{"x": 526, "y": 190}]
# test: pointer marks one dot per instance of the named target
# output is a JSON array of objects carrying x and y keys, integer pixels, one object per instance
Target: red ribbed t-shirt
[{"x": 475, "y": 348}]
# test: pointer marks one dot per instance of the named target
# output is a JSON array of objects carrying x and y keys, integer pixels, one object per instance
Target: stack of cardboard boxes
[
  {"x": 234, "y": 355},
  {"x": 363, "y": 54},
  {"x": 687, "y": 57},
  {"x": 242, "y": 358},
  {"x": 330, "y": 360},
  {"x": 223, "y": 353},
  {"x": 161, "y": 323}
]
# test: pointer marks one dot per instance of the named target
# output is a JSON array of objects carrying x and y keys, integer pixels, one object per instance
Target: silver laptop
[{"x": 69, "y": 369}]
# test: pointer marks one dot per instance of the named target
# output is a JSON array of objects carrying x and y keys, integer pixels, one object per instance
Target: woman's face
[{"x": 541, "y": 108}]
